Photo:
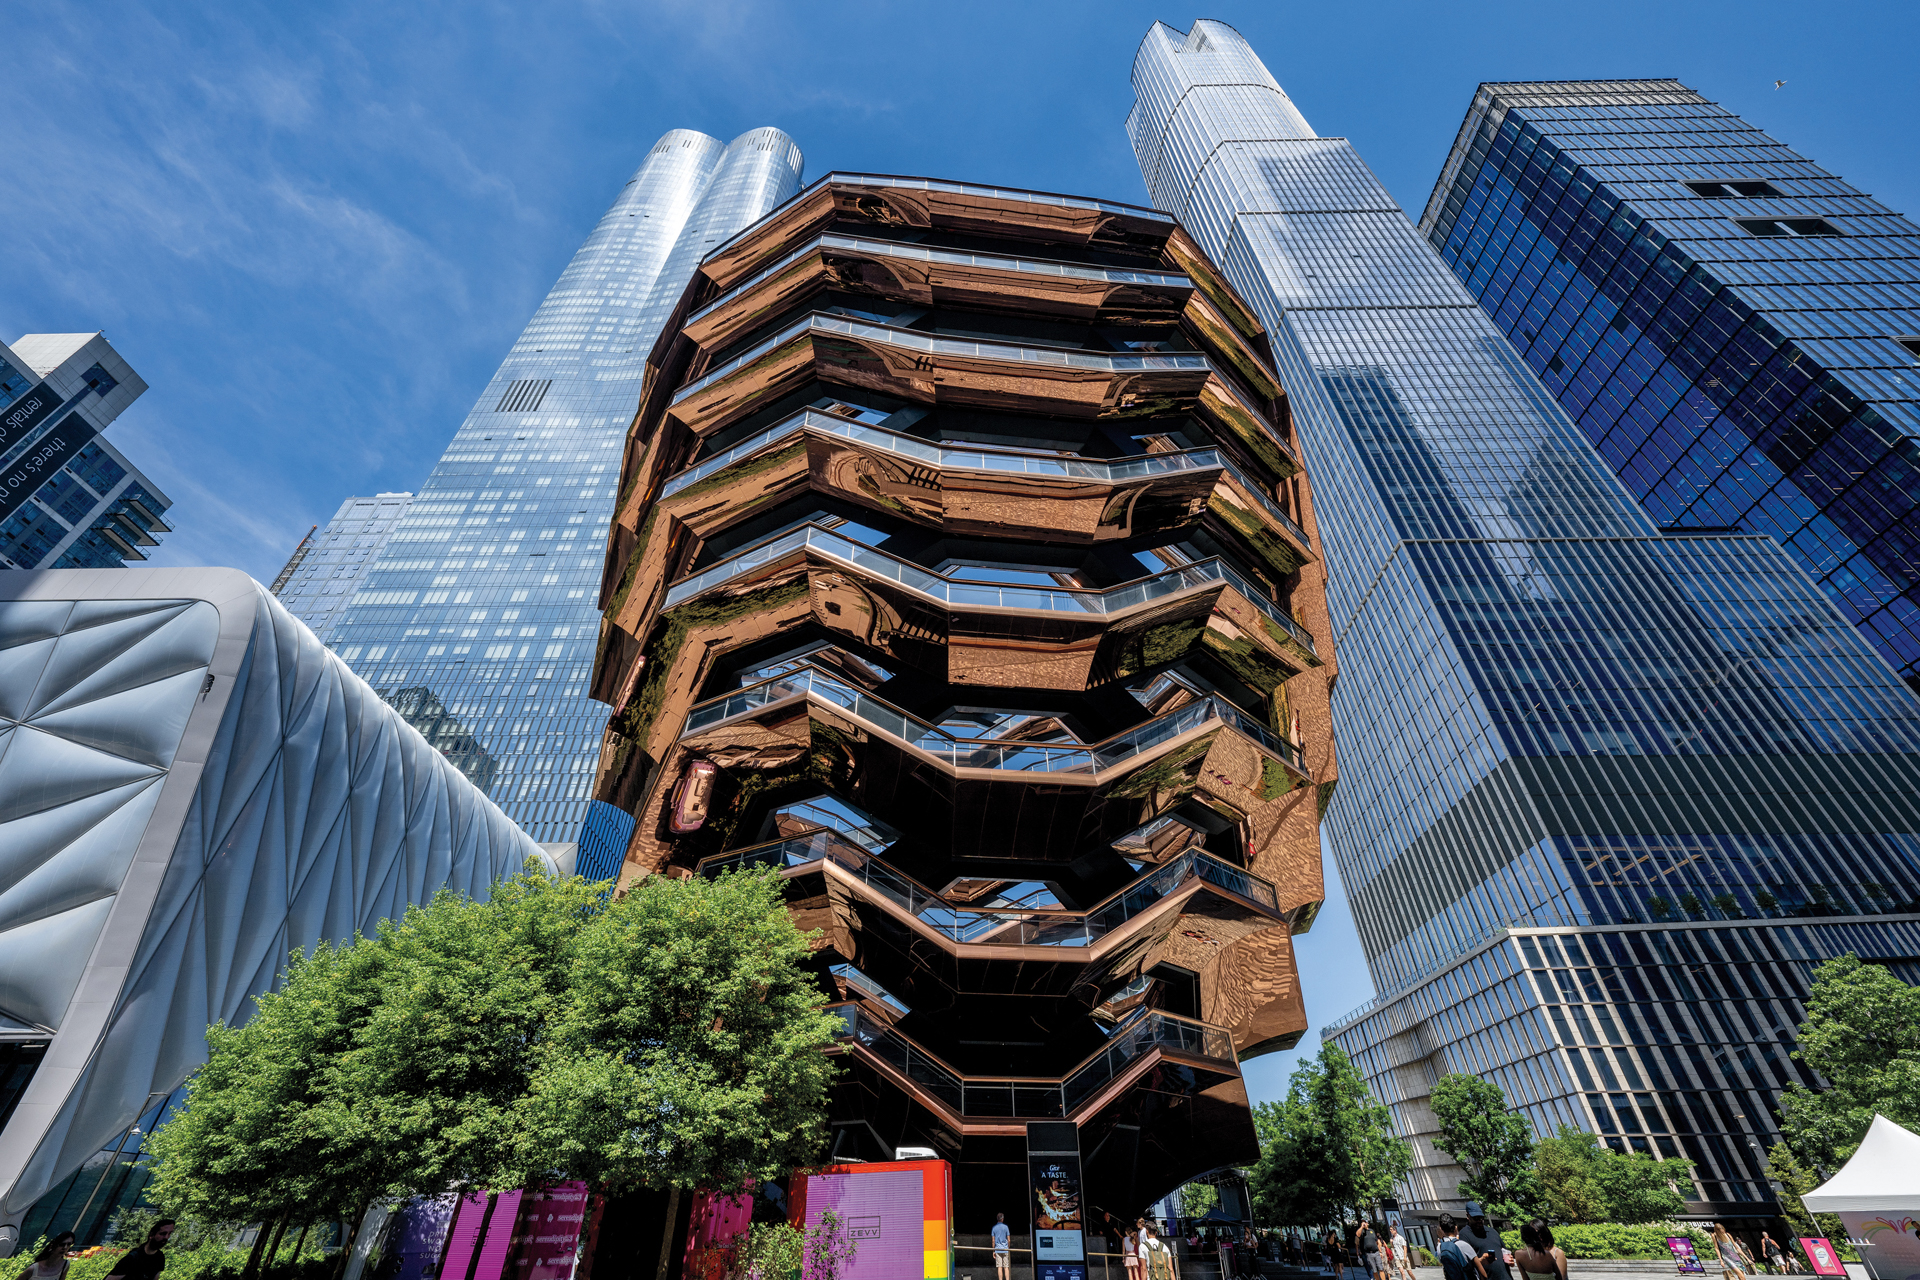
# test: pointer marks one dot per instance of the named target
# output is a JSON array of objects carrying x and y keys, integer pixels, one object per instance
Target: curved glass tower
[
  {"x": 478, "y": 621},
  {"x": 1604, "y": 790}
]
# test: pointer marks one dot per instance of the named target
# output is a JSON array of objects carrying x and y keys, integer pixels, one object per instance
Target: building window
[
  {"x": 1911, "y": 341},
  {"x": 1731, "y": 190},
  {"x": 1788, "y": 226}
]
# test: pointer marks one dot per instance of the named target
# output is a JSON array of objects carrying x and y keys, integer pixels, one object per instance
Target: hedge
[{"x": 1612, "y": 1240}]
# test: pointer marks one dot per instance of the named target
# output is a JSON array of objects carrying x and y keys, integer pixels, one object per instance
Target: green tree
[
  {"x": 688, "y": 1051},
  {"x": 438, "y": 1071},
  {"x": 670, "y": 1037},
  {"x": 1862, "y": 1034},
  {"x": 1785, "y": 1168},
  {"x": 258, "y": 1138},
  {"x": 1328, "y": 1149},
  {"x": 1197, "y": 1199},
  {"x": 1584, "y": 1182},
  {"x": 1492, "y": 1144}
]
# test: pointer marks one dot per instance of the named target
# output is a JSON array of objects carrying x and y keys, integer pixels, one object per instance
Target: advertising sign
[
  {"x": 896, "y": 1214},
  {"x": 1685, "y": 1258},
  {"x": 1057, "y": 1229},
  {"x": 1890, "y": 1242},
  {"x": 47, "y": 455},
  {"x": 546, "y": 1238},
  {"x": 1060, "y": 1271},
  {"x": 26, "y": 413},
  {"x": 1824, "y": 1257}
]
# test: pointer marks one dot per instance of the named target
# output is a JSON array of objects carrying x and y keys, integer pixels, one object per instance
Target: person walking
[
  {"x": 1770, "y": 1250},
  {"x": 51, "y": 1262},
  {"x": 1159, "y": 1258},
  {"x": 1366, "y": 1247},
  {"x": 148, "y": 1258},
  {"x": 1002, "y": 1248},
  {"x": 1459, "y": 1260},
  {"x": 1400, "y": 1250},
  {"x": 1538, "y": 1257},
  {"x": 1130, "y": 1252},
  {"x": 1336, "y": 1265},
  {"x": 1485, "y": 1240},
  {"x": 1733, "y": 1258}
]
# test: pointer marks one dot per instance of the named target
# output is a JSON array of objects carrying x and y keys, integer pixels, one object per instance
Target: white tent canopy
[{"x": 1883, "y": 1175}]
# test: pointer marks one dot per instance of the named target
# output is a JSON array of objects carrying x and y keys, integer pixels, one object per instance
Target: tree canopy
[
  {"x": 1583, "y": 1181},
  {"x": 1327, "y": 1149},
  {"x": 671, "y": 1036},
  {"x": 1493, "y": 1145},
  {"x": 1862, "y": 1034}
]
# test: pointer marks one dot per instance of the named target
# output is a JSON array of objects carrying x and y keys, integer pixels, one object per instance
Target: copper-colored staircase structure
[{"x": 964, "y": 571}]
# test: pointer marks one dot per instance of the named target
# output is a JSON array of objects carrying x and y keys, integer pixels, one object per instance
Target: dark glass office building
[
  {"x": 1609, "y": 788},
  {"x": 1736, "y": 329}
]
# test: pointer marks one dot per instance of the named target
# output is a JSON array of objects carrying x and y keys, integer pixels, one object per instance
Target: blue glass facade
[
  {"x": 1550, "y": 714},
  {"x": 481, "y": 612},
  {"x": 69, "y": 499},
  {"x": 1734, "y": 328}
]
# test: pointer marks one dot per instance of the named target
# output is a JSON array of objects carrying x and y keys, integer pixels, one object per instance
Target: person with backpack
[
  {"x": 1458, "y": 1259},
  {"x": 1366, "y": 1247}
]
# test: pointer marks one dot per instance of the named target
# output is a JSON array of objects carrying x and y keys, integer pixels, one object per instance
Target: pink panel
[
  {"x": 493, "y": 1250},
  {"x": 463, "y": 1236}
]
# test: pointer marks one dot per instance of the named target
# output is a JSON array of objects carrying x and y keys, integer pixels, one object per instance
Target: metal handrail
[
  {"x": 960, "y": 591},
  {"x": 915, "y": 340},
  {"x": 991, "y": 753},
  {"x": 950, "y": 257},
  {"x": 983, "y": 458},
  {"x": 988, "y": 926},
  {"x": 956, "y": 188},
  {"x": 1040, "y": 1096}
]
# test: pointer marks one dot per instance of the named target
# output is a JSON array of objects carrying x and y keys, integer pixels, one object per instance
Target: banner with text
[{"x": 48, "y": 454}]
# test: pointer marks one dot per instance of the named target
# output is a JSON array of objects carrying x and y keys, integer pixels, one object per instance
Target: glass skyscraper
[
  {"x": 1598, "y": 780},
  {"x": 482, "y": 612},
  {"x": 328, "y": 567},
  {"x": 1736, "y": 329},
  {"x": 68, "y": 499}
]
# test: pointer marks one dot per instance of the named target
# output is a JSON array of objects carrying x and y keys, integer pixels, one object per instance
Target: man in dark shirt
[
  {"x": 146, "y": 1261},
  {"x": 1480, "y": 1235}
]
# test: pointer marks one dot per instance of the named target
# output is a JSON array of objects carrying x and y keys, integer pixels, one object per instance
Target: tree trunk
[
  {"x": 302, "y": 1240},
  {"x": 353, "y": 1233},
  {"x": 252, "y": 1269},
  {"x": 273, "y": 1249}
]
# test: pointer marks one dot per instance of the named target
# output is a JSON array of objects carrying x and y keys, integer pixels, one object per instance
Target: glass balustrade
[
  {"x": 935, "y": 344},
  {"x": 1127, "y": 595},
  {"x": 1132, "y": 1040},
  {"x": 976, "y": 458},
  {"x": 990, "y": 927},
  {"x": 988, "y": 753},
  {"x": 947, "y": 257}
]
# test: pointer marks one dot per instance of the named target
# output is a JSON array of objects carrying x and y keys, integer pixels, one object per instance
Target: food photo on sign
[{"x": 1685, "y": 1257}]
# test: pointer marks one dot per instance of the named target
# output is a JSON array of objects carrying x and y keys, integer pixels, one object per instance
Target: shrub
[{"x": 1613, "y": 1240}]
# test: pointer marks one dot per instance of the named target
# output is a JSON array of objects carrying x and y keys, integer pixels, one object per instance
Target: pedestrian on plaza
[
  {"x": 1331, "y": 1247},
  {"x": 51, "y": 1262},
  {"x": 1458, "y": 1259},
  {"x": 1130, "y": 1253},
  {"x": 147, "y": 1259},
  {"x": 1486, "y": 1240},
  {"x": 1538, "y": 1257},
  {"x": 1401, "y": 1250},
  {"x": 1366, "y": 1246},
  {"x": 1733, "y": 1258},
  {"x": 1770, "y": 1249},
  {"x": 1002, "y": 1248},
  {"x": 1159, "y": 1258}
]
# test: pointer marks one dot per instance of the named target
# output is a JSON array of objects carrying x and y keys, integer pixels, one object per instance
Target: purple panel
[
  {"x": 465, "y": 1233},
  {"x": 885, "y": 1214},
  {"x": 493, "y": 1251}
]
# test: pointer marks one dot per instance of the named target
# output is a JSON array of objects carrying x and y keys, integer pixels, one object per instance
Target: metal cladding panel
[{"x": 191, "y": 786}]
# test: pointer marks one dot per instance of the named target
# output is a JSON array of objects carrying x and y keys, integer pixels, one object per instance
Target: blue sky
[{"x": 315, "y": 228}]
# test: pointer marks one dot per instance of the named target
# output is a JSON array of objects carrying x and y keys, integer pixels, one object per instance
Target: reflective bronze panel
[{"x": 964, "y": 574}]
